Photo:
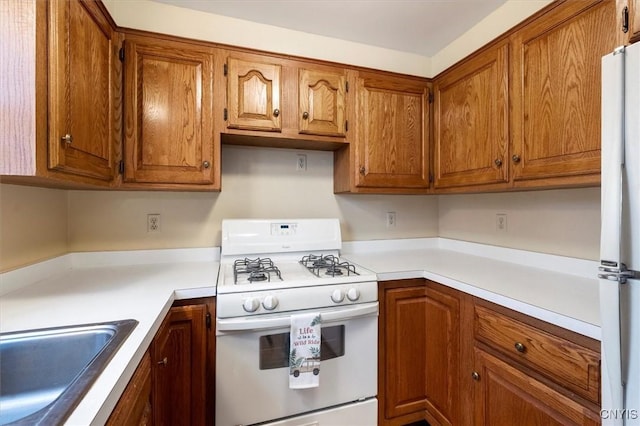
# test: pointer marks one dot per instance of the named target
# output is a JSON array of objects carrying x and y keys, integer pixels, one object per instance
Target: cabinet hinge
[
  {"x": 346, "y": 84},
  {"x": 225, "y": 114},
  {"x": 225, "y": 70},
  {"x": 430, "y": 97},
  {"x": 121, "y": 167},
  {"x": 346, "y": 125},
  {"x": 207, "y": 320},
  {"x": 625, "y": 20},
  {"x": 121, "y": 54}
]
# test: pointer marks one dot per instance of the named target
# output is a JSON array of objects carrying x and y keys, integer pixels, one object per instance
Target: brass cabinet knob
[
  {"x": 164, "y": 361},
  {"x": 516, "y": 158},
  {"x": 362, "y": 170},
  {"x": 206, "y": 164},
  {"x": 305, "y": 115},
  {"x": 520, "y": 347},
  {"x": 475, "y": 376},
  {"x": 498, "y": 162},
  {"x": 67, "y": 139},
  {"x": 276, "y": 112}
]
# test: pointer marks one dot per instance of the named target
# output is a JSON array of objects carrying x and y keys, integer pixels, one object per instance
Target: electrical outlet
[
  {"x": 391, "y": 219},
  {"x": 153, "y": 223},
  {"x": 501, "y": 222},
  {"x": 301, "y": 162}
]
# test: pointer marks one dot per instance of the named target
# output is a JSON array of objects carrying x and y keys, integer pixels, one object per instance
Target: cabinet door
[
  {"x": 634, "y": 21},
  {"x": 505, "y": 395},
  {"x": 556, "y": 96},
  {"x": 168, "y": 113},
  {"x": 253, "y": 95},
  {"x": 322, "y": 103},
  {"x": 82, "y": 101},
  {"x": 134, "y": 406},
  {"x": 442, "y": 353},
  {"x": 471, "y": 121},
  {"x": 392, "y": 137},
  {"x": 405, "y": 363},
  {"x": 179, "y": 367}
]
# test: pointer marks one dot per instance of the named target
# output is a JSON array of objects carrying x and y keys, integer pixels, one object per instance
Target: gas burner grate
[
  {"x": 327, "y": 265},
  {"x": 257, "y": 270}
]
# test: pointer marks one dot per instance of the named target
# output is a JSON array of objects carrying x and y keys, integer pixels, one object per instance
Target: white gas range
[{"x": 271, "y": 271}]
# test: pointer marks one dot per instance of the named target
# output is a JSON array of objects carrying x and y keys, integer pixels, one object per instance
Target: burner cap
[
  {"x": 332, "y": 270},
  {"x": 257, "y": 276}
]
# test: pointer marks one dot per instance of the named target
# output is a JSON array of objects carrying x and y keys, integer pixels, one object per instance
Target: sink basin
[{"x": 45, "y": 373}]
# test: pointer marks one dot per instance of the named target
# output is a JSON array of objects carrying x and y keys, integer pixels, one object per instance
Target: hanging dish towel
[{"x": 304, "y": 351}]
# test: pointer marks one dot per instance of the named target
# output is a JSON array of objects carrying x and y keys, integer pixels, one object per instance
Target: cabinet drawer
[{"x": 572, "y": 366}]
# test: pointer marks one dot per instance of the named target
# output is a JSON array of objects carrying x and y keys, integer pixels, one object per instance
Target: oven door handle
[{"x": 266, "y": 322}]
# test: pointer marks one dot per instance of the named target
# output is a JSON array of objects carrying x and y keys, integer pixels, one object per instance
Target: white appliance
[
  {"x": 620, "y": 237},
  {"x": 270, "y": 271}
]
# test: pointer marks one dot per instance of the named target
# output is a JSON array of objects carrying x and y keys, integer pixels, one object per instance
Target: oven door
[{"x": 252, "y": 358}]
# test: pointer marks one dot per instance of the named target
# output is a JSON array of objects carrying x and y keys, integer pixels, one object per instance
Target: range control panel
[{"x": 284, "y": 228}]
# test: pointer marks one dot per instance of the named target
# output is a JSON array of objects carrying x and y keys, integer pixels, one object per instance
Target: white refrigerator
[{"x": 620, "y": 237}]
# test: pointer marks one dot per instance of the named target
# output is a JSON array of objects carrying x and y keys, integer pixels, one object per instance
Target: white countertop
[
  {"x": 82, "y": 288},
  {"x": 559, "y": 290}
]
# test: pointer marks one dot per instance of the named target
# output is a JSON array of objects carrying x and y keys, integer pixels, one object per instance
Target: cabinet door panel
[
  {"x": 179, "y": 367},
  {"x": 507, "y": 396},
  {"x": 253, "y": 95},
  {"x": 322, "y": 103},
  {"x": 471, "y": 121},
  {"x": 169, "y": 130},
  {"x": 82, "y": 101},
  {"x": 634, "y": 21},
  {"x": 405, "y": 363},
  {"x": 392, "y": 141},
  {"x": 556, "y": 96}
]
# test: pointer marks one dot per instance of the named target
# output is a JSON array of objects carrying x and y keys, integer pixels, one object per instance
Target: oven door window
[{"x": 274, "y": 348}]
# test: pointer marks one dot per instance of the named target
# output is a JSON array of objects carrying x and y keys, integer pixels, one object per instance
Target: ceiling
[{"x": 423, "y": 27}]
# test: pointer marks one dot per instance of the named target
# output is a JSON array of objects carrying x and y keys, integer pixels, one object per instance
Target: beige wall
[
  {"x": 33, "y": 225},
  {"x": 257, "y": 182},
  {"x": 564, "y": 222}
]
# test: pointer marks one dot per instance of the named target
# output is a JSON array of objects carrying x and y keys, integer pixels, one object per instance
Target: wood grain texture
[
  {"x": 18, "y": 87},
  {"x": 392, "y": 143},
  {"x": 634, "y": 21},
  {"x": 570, "y": 365},
  {"x": 471, "y": 121},
  {"x": 168, "y": 114},
  {"x": 323, "y": 99},
  {"x": 179, "y": 385},
  {"x": 253, "y": 95},
  {"x": 134, "y": 406},
  {"x": 81, "y": 100},
  {"x": 556, "y": 96},
  {"x": 506, "y": 396}
]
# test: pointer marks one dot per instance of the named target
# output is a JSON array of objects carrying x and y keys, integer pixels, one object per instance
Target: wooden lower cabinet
[
  {"x": 505, "y": 395},
  {"x": 174, "y": 383},
  {"x": 419, "y": 353},
  {"x": 447, "y": 358}
]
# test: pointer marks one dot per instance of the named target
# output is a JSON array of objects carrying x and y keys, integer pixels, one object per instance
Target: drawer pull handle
[
  {"x": 475, "y": 376},
  {"x": 164, "y": 361},
  {"x": 520, "y": 347}
]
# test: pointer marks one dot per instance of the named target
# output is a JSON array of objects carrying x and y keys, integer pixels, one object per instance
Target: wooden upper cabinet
[
  {"x": 169, "y": 137},
  {"x": 253, "y": 95},
  {"x": 82, "y": 99},
  {"x": 634, "y": 20},
  {"x": 322, "y": 109},
  {"x": 471, "y": 121},
  {"x": 556, "y": 92},
  {"x": 392, "y": 144}
]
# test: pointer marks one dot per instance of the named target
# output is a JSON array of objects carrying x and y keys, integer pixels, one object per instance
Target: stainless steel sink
[{"x": 45, "y": 373}]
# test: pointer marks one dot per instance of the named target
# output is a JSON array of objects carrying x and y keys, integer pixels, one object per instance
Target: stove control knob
[
  {"x": 251, "y": 304},
  {"x": 353, "y": 294},
  {"x": 270, "y": 303},
  {"x": 337, "y": 296}
]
